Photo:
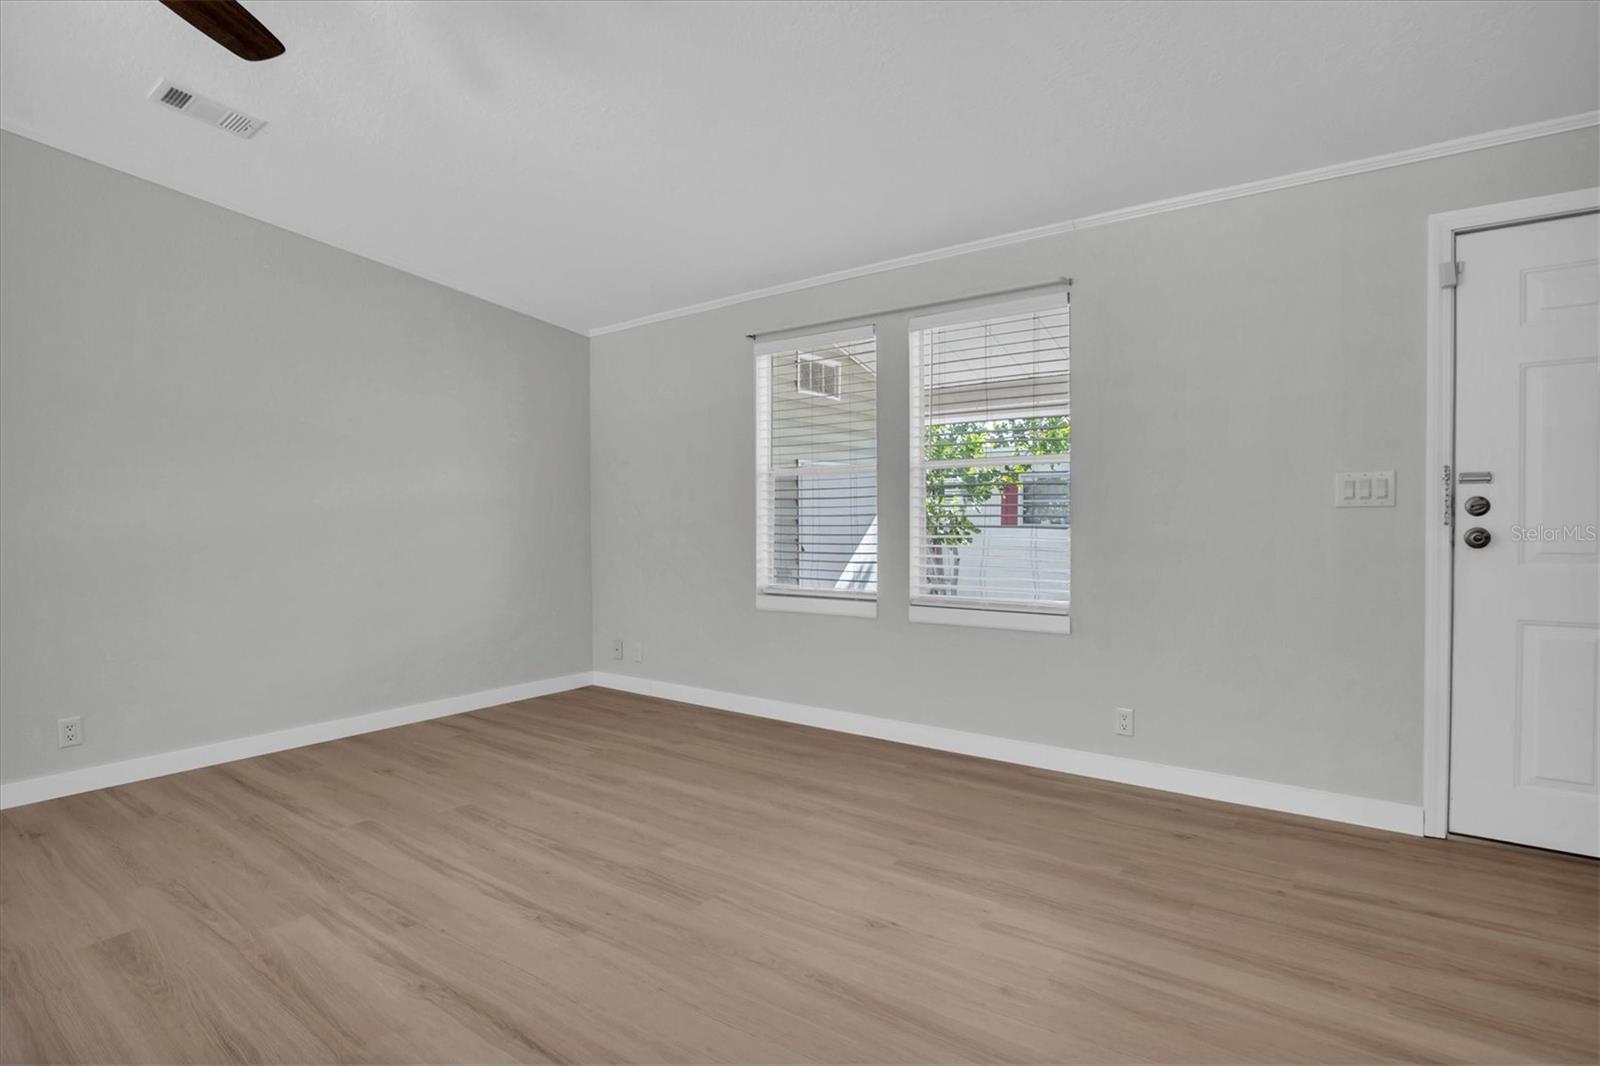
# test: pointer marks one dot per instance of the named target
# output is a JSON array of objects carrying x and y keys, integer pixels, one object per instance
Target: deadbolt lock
[
  {"x": 1477, "y": 506},
  {"x": 1477, "y": 537}
]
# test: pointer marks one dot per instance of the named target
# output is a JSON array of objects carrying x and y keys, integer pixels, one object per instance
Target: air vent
[
  {"x": 815, "y": 376},
  {"x": 206, "y": 110},
  {"x": 234, "y": 122}
]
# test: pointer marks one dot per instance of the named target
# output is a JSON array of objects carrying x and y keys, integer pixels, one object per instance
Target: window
[
  {"x": 817, "y": 473},
  {"x": 991, "y": 468},
  {"x": 1046, "y": 500}
]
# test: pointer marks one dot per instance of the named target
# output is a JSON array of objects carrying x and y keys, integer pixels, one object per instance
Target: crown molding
[{"x": 1460, "y": 145}]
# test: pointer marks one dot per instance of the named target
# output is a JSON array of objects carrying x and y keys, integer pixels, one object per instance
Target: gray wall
[
  {"x": 1227, "y": 361},
  {"x": 248, "y": 481}
]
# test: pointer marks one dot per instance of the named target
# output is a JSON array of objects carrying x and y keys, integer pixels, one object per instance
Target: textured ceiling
[{"x": 589, "y": 163}]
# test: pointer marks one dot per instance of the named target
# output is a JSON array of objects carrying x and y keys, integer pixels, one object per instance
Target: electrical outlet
[
  {"x": 1124, "y": 721},
  {"x": 69, "y": 732},
  {"x": 638, "y": 652},
  {"x": 616, "y": 649}
]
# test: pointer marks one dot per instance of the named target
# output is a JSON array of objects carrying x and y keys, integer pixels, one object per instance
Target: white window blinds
[
  {"x": 817, "y": 465},
  {"x": 991, "y": 465}
]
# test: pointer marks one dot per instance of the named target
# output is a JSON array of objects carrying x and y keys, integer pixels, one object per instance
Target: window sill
[
  {"x": 983, "y": 618},
  {"x": 834, "y": 605}
]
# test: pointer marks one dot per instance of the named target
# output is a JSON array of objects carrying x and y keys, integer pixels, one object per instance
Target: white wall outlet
[
  {"x": 1124, "y": 721},
  {"x": 1367, "y": 488},
  {"x": 637, "y": 651},
  {"x": 616, "y": 649},
  {"x": 69, "y": 732}
]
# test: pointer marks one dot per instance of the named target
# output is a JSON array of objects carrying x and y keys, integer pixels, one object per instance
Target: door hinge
[
  {"x": 1450, "y": 274},
  {"x": 1449, "y": 498}
]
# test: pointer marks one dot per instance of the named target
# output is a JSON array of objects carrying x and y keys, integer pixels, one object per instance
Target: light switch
[{"x": 1364, "y": 488}]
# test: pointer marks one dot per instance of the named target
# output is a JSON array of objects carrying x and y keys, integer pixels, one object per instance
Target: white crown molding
[
  {"x": 1460, "y": 145},
  {"x": 107, "y": 775},
  {"x": 1205, "y": 784}
]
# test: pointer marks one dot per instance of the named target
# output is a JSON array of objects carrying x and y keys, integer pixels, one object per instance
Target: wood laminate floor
[{"x": 603, "y": 877}]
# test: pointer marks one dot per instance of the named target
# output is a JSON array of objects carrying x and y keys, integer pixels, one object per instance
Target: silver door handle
[{"x": 1474, "y": 477}]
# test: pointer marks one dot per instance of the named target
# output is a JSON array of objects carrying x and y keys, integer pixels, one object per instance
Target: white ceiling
[{"x": 590, "y": 163}]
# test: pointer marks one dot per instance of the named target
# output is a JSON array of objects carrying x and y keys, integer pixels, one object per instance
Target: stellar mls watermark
[{"x": 1583, "y": 534}]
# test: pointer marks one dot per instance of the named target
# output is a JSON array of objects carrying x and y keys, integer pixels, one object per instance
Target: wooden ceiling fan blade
[{"x": 230, "y": 25}]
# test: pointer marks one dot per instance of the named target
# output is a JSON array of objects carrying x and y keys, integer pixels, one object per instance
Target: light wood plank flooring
[{"x": 603, "y": 877}]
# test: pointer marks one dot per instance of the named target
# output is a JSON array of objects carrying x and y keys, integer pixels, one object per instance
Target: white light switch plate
[{"x": 1367, "y": 488}]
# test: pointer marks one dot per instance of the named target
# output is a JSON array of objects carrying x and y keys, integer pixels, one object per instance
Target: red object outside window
[{"x": 1008, "y": 504}]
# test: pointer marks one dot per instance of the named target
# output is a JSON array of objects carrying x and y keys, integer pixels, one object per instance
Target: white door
[{"x": 1524, "y": 737}]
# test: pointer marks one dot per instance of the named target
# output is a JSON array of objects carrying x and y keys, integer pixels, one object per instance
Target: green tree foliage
[{"x": 950, "y": 493}]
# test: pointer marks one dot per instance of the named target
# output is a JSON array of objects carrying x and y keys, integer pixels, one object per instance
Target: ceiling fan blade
[{"x": 230, "y": 25}]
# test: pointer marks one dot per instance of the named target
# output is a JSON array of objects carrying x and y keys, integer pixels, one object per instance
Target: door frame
[{"x": 1438, "y": 514}]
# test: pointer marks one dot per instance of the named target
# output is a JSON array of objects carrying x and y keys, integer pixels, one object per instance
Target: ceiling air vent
[
  {"x": 206, "y": 110},
  {"x": 243, "y": 125}
]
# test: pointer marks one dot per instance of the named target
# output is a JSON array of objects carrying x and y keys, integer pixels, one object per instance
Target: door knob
[
  {"x": 1477, "y": 506},
  {"x": 1477, "y": 537}
]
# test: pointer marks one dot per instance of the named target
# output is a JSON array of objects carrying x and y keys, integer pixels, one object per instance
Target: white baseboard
[
  {"x": 106, "y": 775},
  {"x": 1290, "y": 799}
]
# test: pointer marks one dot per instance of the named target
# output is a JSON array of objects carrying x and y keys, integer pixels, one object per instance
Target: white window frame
[
  {"x": 782, "y": 598},
  {"x": 976, "y": 613}
]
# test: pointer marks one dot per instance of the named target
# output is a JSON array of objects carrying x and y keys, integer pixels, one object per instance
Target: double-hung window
[
  {"x": 817, "y": 473},
  {"x": 991, "y": 465}
]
